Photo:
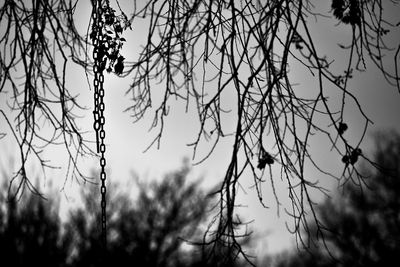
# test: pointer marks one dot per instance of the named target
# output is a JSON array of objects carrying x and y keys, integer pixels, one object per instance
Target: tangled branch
[
  {"x": 38, "y": 41},
  {"x": 229, "y": 58},
  {"x": 235, "y": 55}
]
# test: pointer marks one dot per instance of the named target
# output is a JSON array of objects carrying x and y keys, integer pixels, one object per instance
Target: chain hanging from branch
[
  {"x": 107, "y": 41},
  {"x": 98, "y": 112}
]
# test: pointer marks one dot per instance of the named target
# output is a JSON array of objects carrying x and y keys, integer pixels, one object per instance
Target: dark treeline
[{"x": 151, "y": 230}]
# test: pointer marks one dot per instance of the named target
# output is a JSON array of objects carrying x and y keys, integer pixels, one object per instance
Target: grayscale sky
[{"x": 126, "y": 141}]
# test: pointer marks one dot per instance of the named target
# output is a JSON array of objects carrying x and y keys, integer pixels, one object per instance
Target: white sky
[{"x": 126, "y": 141}]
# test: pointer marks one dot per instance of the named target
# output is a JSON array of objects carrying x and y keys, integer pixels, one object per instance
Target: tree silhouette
[
  {"x": 158, "y": 228},
  {"x": 220, "y": 55},
  {"x": 31, "y": 232},
  {"x": 361, "y": 223},
  {"x": 149, "y": 231}
]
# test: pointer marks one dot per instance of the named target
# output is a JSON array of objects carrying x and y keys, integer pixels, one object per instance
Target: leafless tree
[{"x": 218, "y": 56}]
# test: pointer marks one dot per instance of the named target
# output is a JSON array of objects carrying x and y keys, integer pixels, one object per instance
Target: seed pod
[
  {"x": 264, "y": 160},
  {"x": 119, "y": 66},
  {"x": 342, "y": 127}
]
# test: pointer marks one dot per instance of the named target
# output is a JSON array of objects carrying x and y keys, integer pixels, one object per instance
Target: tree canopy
[{"x": 233, "y": 58}]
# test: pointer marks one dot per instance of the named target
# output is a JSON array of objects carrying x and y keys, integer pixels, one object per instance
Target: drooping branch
[
  {"x": 235, "y": 55},
  {"x": 230, "y": 58},
  {"x": 37, "y": 42}
]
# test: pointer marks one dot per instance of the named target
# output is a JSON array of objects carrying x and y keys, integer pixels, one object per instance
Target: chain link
[{"x": 98, "y": 112}]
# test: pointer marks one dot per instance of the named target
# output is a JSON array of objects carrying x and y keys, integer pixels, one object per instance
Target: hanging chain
[
  {"x": 107, "y": 42},
  {"x": 98, "y": 112}
]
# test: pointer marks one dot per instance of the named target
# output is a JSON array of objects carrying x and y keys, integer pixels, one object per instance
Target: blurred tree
[
  {"x": 31, "y": 232},
  {"x": 158, "y": 228},
  {"x": 151, "y": 231},
  {"x": 361, "y": 225},
  {"x": 216, "y": 55}
]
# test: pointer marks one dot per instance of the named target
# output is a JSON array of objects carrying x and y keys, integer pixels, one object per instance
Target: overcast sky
[{"x": 126, "y": 141}]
